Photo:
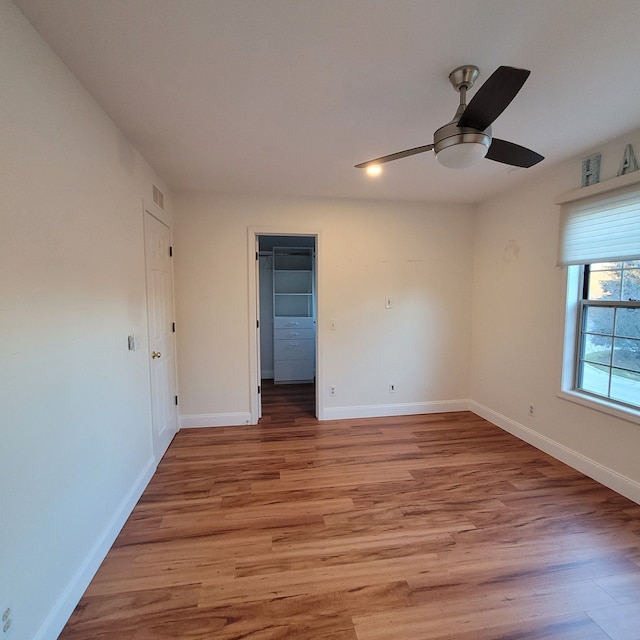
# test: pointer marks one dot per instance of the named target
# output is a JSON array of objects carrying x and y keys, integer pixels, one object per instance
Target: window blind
[{"x": 601, "y": 228}]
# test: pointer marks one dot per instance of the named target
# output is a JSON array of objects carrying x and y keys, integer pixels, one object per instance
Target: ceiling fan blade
[
  {"x": 513, "y": 154},
  {"x": 493, "y": 97},
  {"x": 395, "y": 156}
]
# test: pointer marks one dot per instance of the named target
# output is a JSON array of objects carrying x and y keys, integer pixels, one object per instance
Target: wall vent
[{"x": 158, "y": 197}]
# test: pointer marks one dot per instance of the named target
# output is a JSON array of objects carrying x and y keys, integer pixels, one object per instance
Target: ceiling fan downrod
[{"x": 462, "y": 79}]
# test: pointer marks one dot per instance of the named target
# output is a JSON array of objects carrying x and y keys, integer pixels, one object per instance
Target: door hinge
[
  {"x": 170, "y": 251},
  {"x": 257, "y": 256},
  {"x": 258, "y": 323},
  {"x": 173, "y": 327},
  {"x": 259, "y": 390},
  {"x": 176, "y": 401}
]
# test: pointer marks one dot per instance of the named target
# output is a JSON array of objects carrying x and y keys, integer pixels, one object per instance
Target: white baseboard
[
  {"x": 214, "y": 420},
  {"x": 63, "y": 608},
  {"x": 604, "y": 475},
  {"x": 399, "y": 409}
]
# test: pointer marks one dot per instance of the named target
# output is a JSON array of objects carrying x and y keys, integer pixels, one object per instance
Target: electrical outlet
[
  {"x": 392, "y": 387},
  {"x": 6, "y": 621},
  {"x": 332, "y": 391},
  {"x": 532, "y": 409}
]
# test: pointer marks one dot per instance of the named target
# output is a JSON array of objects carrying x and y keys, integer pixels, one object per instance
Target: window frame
[{"x": 576, "y": 301}]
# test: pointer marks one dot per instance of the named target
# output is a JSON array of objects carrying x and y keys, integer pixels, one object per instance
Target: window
[
  {"x": 608, "y": 355},
  {"x": 600, "y": 247}
]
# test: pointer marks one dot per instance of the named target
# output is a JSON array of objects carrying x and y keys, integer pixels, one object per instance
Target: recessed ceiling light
[{"x": 374, "y": 170}]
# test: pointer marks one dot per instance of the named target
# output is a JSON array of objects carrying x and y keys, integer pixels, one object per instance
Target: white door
[{"x": 160, "y": 323}]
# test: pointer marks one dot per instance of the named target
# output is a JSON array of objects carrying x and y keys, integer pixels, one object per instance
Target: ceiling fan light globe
[
  {"x": 462, "y": 155},
  {"x": 460, "y": 147}
]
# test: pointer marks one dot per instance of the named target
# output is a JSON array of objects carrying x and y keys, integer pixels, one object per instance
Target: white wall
[
  {"x": 76, "y": 435},
  {"x": 420, "y": 255},
  {"x": 518, "y": 324}
]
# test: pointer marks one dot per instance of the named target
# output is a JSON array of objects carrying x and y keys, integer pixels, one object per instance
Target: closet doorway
[{"x": 287, "y": 304}]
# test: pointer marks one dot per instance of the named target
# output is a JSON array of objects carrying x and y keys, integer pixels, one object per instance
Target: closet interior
[{"x": 287, "y": 309}]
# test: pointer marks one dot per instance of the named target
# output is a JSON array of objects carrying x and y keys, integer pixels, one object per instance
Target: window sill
[{"x": 624, "y": 413}]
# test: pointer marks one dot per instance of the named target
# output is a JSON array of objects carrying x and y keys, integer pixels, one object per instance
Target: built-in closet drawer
[
  {"x": 293, "y": 323},
  {"x": 293, "y": 370},
  {"x": 293, "y": 350},
  {"x": 294, "y": 333}
]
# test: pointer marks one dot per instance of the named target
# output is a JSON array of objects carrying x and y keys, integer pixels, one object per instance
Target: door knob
[{"x": 155, "y": 354}]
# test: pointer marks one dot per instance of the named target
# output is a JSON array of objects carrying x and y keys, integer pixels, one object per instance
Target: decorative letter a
[{"x": 629, "y": 162}]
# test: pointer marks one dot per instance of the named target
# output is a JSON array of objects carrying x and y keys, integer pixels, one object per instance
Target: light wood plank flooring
[{"x": 422, "y": 527}]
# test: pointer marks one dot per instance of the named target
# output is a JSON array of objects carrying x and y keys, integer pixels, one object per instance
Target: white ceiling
[{"x": 285, "y": 96}]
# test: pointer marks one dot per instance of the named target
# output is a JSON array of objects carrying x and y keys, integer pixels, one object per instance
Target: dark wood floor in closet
[{"x": 423, "y": 527}]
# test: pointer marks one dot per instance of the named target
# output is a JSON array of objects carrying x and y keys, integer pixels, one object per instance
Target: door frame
[
  {"x": 254, "y": 312},
  {"x": 151, "y": 209}
]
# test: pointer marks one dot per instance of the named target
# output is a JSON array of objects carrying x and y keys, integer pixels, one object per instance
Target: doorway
[{"x": 286, "y": 310}]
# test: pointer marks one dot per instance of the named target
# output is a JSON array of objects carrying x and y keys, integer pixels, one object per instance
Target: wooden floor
[{"x": 422, "y": 527}]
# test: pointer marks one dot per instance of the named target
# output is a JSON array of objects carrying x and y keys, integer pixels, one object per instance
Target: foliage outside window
[{"x": 608, "y": 354}]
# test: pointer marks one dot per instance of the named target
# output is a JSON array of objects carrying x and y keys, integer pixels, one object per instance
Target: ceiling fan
[{"x": 467, "y": 138}]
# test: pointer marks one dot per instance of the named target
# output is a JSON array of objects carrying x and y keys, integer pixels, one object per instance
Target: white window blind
[{"x": 602, "y": 228}]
